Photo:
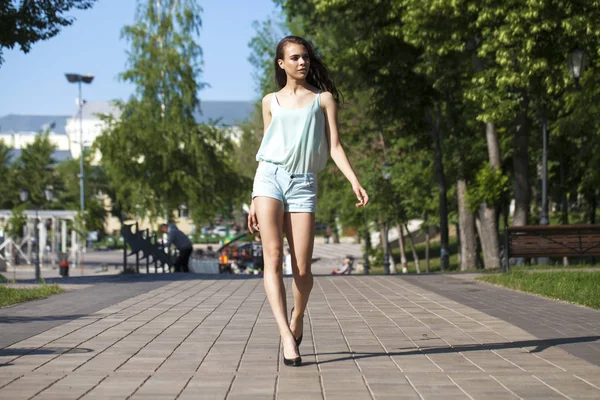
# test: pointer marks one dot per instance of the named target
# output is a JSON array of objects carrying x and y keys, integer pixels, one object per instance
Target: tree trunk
[
  {"x": 492, "y": 144},
  {"x": 457, "y": 235},
  {"x": 411, "y": 241},
  {"x": 468, "y": 241},
  {"x": 487, "y": 225},
  {"x": 521, "y": 169},
  {"x": 403, "y": 263},
  {"x": 593, "y": 209},
  {"x": 427, "y": 240},
  {"x": 441, "y": 180},
  {"x": 385, "y": 244},
  {"x": 488, "y": 235}
]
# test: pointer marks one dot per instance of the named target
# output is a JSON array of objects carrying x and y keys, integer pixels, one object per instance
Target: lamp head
[
  {"x": 23, "y": 195},
  {"x": 49, "y": 194},
  {"x": 577, "y": 62},
  {"x": 386, "y": 171}
]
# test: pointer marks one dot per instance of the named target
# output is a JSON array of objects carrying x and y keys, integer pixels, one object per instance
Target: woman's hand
[
  {"x": 252, "y": 220},
  {"x": 361, "y": 195}
]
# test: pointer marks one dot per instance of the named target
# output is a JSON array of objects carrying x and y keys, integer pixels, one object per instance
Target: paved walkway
[
  {"x": 100, "y": 263},
  {"x": 366, "y": 337}
]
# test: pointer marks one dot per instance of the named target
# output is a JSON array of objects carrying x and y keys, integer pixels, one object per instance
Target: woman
[{"x": 300, "y": 122}]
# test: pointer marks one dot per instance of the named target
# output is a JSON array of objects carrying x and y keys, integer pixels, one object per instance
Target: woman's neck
[{"x": 293, "y": 86}]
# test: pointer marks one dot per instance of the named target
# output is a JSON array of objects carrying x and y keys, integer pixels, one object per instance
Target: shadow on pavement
[
  {"x": 19, "y": 351},
  {"x": 15, "y": 319},
  {"x": 539, "y": 344}
]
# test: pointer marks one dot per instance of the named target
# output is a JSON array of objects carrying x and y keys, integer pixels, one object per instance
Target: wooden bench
[{"x": 551, "y": 241}]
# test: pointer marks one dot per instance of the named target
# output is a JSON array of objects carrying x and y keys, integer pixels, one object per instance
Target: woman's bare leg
[
  {"x": 269, "y": 213},
  {"x": 300, "y": 233}
]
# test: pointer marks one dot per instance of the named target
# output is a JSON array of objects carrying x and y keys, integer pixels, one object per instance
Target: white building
[
  {"x": 18, "y": 131},
  {"x": 91, "y": 125}
]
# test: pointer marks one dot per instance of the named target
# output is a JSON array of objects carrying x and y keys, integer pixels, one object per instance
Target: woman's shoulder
[
  {"x": 266, "y": 102},
  {"x": 327, "y": 99},
  {"x": 268, "y": 97}
]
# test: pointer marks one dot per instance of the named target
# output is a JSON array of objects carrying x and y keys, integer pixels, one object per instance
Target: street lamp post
[
  {"x": 544, "y": 214},
  {"x": 387, "y": 175},
  {"x": 78, "y": 78},
  {"x": 576, "y": 61},
  {"x": 24, "y": 196}
]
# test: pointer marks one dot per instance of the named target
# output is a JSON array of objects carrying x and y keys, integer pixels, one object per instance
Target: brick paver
[
  {"x": 573, "y": 328},
  {"x": 85, "y": 295},
  {"x": 366, "y": 337}
]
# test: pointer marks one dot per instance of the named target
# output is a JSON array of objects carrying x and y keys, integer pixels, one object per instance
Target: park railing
[{"x": 146, "y": 247}]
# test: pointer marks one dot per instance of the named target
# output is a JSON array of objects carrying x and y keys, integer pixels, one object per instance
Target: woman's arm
[
  {"x": 266, "y": 112},
  {"x": 337, "y": 151}
]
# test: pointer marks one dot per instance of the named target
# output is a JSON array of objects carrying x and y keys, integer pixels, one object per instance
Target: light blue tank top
[{"x": 296, "y": 139}]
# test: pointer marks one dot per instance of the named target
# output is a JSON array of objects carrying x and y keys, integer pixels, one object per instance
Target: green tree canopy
[
  {"x": 156, "y": 155},
  {"x": 24, "y": 22}
]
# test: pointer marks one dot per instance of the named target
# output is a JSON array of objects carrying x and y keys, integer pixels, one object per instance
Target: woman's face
[{"x": 296, "y": 61}]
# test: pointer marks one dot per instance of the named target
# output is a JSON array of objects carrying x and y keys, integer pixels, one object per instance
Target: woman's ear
[{"x": 280, "y": 62}]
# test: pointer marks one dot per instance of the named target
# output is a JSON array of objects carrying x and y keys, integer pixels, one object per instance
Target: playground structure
[
  {"x": 13, "y": 251},
  {"x": 146, "y": 243},
  {"x": 154, "y": 252}
]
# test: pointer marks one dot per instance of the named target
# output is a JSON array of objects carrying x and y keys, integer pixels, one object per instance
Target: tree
[
  {"x": 27, "y": 22},
  {"x": 267, "y": 34},
  {"x": 34, "y": 170},
  {"x": 156, "y": 156},
  {"x": 7, "y": 192},
  {"x": 68, "y": 197}
]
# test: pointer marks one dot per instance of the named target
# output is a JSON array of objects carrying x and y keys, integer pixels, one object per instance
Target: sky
[{"x": 34, "y": 83}]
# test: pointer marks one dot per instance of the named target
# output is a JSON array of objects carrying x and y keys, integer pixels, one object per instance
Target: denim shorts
[{"x": 297, "y": 192}]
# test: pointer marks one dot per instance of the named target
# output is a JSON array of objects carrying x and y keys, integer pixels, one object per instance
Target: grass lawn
[
  {"x": 552, "y": 267},
  {"x": 580, "y": 287},
  {"x": 9, "y": 296}
]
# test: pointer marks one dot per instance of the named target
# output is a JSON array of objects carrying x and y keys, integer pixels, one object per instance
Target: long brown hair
[{"x": 318, "y": 74}]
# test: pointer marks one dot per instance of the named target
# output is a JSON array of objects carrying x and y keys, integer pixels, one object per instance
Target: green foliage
[
  {"x": 25, "y": 22},
  {"x": 7, "y": 192},
  {"x": 17, "y": 221},
  {"x": 489, "y": 186},
  {"x": 156, "y": 156},
  {"x": 34, "y": 170},
  {"x": 502, "y": 63},
  {"x": 96, "y": 182},
  {"x": 263, "y": 44}
]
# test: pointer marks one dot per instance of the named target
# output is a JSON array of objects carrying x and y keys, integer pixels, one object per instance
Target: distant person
[
  {"x": 328, "y": 233},
  {"x": 210, "y": 252},
  {"x": 257, "y": 253},
  {"x": 346, "y": 267},
  {"x": 288, "y": 262},
  {"x": 300, "y": 133},
  {"x": 181, "y": 242}
]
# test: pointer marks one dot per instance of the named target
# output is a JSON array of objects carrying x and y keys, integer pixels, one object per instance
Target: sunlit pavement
[{"x": 191, "y": 336}]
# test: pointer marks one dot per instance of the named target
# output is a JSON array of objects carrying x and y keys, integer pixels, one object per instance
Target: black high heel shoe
[
  {"x": 292, "y": 362},
  {"x": 298, "y": 340}
]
